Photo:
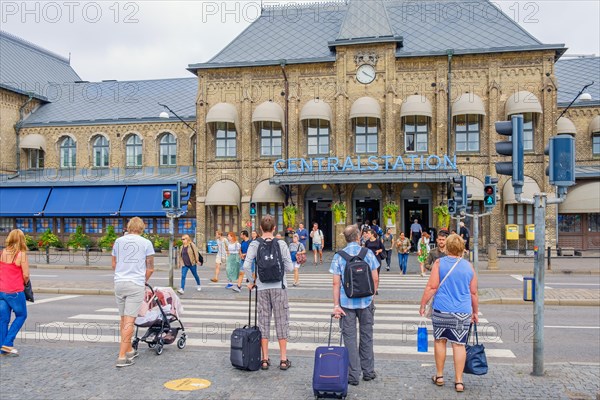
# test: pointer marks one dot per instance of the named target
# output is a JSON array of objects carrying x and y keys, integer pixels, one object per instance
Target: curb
[
  {"x": 496, "y": 300},
  {"x": 87, "y": 267}
]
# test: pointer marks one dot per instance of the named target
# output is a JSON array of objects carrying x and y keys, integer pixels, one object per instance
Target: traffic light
[
  {"x": 253, "y": 209},
  {"x": 461, "y": 197},
  {"x": 561, "y": 167},
  {"x": 490, "y": 191},
  {"x": 513, "y": 148},
  {"x": 167, "y": 199},
  {"x": 451, "y": 207}
]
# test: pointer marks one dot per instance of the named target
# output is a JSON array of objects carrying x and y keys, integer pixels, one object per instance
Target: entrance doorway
[
  {"x": 319, "y": 211},
  {"x": 367, "y": 204},
  {"x": 318, "y": 201},
  {"x": 413, "y": 210},
  {"x": 416, "y": 204}
]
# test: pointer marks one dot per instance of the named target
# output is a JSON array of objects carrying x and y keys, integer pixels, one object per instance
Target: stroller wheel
[
  {"x": 152, "y": 345},
  {"x": 159, "y": 347},
  {"x": 181, "y": 343}
]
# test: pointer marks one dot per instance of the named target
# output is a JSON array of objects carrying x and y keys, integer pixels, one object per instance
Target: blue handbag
[
  {"x": 476, "y": 362},
  {"x": 422, "y": 339}
]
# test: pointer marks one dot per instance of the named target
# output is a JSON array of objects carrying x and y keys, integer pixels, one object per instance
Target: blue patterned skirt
[{"x": 451, "y": 326}]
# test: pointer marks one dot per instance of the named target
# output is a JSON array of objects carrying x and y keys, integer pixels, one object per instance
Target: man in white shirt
[
  {"x": 133, "y": 263},
  {"x": 317, "y": 242}
]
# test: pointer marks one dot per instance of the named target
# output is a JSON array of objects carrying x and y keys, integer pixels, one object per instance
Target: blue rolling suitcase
[{"x": 330, "y": 375}]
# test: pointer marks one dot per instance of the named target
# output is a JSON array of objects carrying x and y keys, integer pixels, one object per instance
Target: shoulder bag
[
  {"x": 476, "y": 362},
  {"x": 429, "y": 305}
]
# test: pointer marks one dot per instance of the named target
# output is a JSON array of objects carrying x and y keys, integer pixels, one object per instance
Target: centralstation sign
[{"x": 374, "y": 163}]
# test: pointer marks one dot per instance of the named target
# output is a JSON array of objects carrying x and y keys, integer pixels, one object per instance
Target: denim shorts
[{"x": 317, "y": 246}]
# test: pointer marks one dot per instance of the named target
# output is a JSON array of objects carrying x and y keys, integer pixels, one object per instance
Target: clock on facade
[{"x": 365, "y": 74}]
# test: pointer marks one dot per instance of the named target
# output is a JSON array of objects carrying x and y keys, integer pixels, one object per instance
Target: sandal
[
  {"x": 462, "y": 389},
  {"x": 265, "y": 364},
  {"x": 285, "y": 364},
  {"x": 438, "y": 380}
]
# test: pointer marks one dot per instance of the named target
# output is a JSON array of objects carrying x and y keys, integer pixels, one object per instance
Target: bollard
[
  {"x": 47, "y": 254},
  {"x": 492, "y": 256},
  {"x": 87, "y": 255},
  {"x": 549, "y": 256}
]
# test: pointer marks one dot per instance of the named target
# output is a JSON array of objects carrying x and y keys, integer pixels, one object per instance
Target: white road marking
[
  {"x": 573, "y": 284},
  {"x": 51, "y": 299},
  {"x": 43, "y": 276},
  {"x": 571, "y": 327},
  {"x": 520, "y": 279}
]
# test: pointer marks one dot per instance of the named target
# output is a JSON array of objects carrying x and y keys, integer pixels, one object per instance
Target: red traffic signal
[
  {"x": 166, "y": 194},
  {"x": 167, "y": 201}
]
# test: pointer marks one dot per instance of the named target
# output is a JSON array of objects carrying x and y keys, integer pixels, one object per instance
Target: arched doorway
[
  {"x": 416, "y": 199},
  {"x": 318, "y": 199},
  {"x": 367, "y": 203}
]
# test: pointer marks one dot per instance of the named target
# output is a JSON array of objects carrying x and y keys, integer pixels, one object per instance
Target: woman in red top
[{"x": 14, "y": 274}]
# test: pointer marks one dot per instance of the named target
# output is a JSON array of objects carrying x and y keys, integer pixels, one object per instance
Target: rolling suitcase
[
  {"x": 330, "y": 375},
  {"x": 245, "y": 342}
]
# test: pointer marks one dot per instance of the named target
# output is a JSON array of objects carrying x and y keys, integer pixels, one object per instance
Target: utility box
[
  {"x": 512, "y": 232},
  {"x": 528, "y": 288},
  {"x": 511, "y": 236},
  {"x": 212, "y": 247}
]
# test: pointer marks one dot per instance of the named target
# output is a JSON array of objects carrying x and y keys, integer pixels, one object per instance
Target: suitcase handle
[
  {"x": 255, "y": 306},
  {"x": 330, "y": 328}
]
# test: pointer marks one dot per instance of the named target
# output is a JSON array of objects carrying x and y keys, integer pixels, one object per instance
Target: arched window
[
  {"x": 366, "y": 131},
  {"x": 317, "y": 131},
  {"x": 68, "y": 153},
  {"x": 100, "y": 152},
  {"x": 168, "y": 150},
  {"x": 133, "y": 151}
]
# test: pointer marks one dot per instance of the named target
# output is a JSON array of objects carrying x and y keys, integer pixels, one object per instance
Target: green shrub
[
  {"x": 49, "y": 239},
  {"x": 107, "y": 241},
  {"x": 79, "y": 240}
]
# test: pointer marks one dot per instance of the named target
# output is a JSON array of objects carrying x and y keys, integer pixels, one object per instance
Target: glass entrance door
[{"x": 366, "y": 210}]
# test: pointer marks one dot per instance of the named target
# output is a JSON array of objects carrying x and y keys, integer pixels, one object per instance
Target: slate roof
[
  {"x": 428, "y": 27},
  {"x": 25, "y": 67},
  {"x": 374, "y": 11},
  {"x": 572, "y": 75},
  {"x": 117, "y": 102}
]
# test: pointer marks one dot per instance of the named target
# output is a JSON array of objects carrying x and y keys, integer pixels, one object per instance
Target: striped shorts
[{"x": 274, "y": 301}]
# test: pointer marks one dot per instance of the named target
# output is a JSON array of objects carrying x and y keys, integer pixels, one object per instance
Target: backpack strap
[
  {"x": 344, "y": 255},
  {"x": 363, "y": 253}
]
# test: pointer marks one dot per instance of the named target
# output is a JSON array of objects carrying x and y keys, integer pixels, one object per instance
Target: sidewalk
[{"x": 70, "y": 371}]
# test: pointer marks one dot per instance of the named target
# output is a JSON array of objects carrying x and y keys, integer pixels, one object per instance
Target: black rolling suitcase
[{"x": 245, "y": 342}]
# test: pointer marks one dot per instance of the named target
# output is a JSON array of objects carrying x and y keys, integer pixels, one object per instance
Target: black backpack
[
  {"x": 269, "y": 265},
  {"x": 358, "y": 281}
]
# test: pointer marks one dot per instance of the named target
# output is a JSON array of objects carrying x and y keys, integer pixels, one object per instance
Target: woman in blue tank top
[{"x": 454, "y": 284}]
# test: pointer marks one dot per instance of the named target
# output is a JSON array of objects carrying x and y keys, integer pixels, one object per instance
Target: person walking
[
  {"x": 296, "y": 248},
  {"x": 221, "y": 255},
  {"x": 361, "y": 355},
  {"x": 439, "y": 251},
  {"x": 374, "y": 244},
  {"x": 243, "y": 251},
  {"x": 465, "y": 235},
  {"x": 303, "y": 235},
  {"x": 403, "y": 248},
  {"x": 453, "y": 282},
  {"x": 133, "y": 263},
  {"x": 388, "y": 245},
  {"x": 14, "y": 275},
  {"x": 423, "y": 251},
  {"x": 271, "y": 296},
  {"x": 187, "y": 260},
  {"x": 234, "y": 252},
  {"x": 318, "y": 239},
  {"x": 416, "y": 230}
]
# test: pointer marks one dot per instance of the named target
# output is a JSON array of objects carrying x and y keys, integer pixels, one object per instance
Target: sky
[{"x": 134, "y": 40}]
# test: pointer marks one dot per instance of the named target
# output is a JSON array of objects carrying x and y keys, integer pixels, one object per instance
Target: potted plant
[
  {"x": 158, "y": 242},
  {"x": 390, "y": 210},
  {"x": 107, "y": 241},
  {"x": 49, "y": 239},
  {"x": 289, "y": 215},
  {"x": 78, "y": 240},
  {"x": 339, "y": 212},
  {"x": 443, "y": 216}
]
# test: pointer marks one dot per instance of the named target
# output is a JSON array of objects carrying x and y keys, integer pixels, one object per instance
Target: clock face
[{"x": 365, "y": 74}]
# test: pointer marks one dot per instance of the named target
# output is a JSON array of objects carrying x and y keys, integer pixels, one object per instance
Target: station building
[
  {"x": 378, "y": 102},
  {"x": 364, "y": 103}
]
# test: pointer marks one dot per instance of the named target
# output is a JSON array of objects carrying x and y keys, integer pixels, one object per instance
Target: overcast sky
[{"x": 158, "y": 39}]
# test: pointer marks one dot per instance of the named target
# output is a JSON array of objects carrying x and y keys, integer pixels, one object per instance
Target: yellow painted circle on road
[{"x": 188, "y": 384}]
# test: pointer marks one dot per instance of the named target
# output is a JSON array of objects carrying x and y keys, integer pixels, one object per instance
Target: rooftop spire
[{"x": 365, "y": 19}]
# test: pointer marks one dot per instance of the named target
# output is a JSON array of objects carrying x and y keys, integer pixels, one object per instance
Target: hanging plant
[
  {"x": 443, "y": 216},
  {"x": 289, "y": 216},
  {"x": 339, "y": 212},
  {"x": 390, "y": 210}
]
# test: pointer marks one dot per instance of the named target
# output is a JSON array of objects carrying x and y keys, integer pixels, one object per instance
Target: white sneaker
[
  {"x": 199, "y": 288},
  {"x": 180, "y": 291}
]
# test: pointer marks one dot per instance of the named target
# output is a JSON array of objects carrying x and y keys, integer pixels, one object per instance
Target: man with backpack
[
  {"x": 355, "y": 269},
  {"x": 273, "y": 260}
]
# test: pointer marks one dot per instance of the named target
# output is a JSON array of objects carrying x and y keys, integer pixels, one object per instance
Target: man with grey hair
[{"x": 361, "y": 308}]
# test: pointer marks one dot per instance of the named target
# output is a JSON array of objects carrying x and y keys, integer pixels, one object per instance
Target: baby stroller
[{"x": 160, "y": 310}]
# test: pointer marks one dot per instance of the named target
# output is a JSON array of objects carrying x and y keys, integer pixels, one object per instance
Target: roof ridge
[
  {"x": 308, "y": 4},
  {"x": 35, "y": 47},
  {"x": 512, "y": 21}
]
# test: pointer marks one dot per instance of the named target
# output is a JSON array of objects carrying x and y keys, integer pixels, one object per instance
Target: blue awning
[
  {"x": 84, "y": 201},
  {"x": 144, "y": 201},
  {"x": 23, "y": 201}
]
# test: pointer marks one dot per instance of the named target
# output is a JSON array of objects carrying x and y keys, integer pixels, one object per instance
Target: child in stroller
[{"x": 160, "y": 309}]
